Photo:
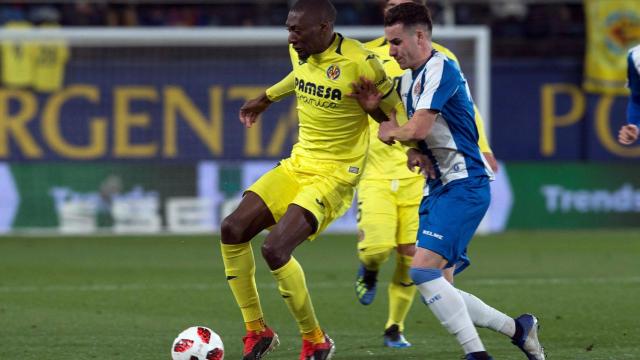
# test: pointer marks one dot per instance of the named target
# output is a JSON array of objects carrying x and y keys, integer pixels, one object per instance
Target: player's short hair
[
  {"x": 409, "y": 14},
  {"x": 323, "y": 9}
]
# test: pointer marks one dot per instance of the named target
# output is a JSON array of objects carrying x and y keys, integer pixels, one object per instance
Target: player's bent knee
[
  {"x": 274, "y": 255},
  {"x": 231, "y": 232}
]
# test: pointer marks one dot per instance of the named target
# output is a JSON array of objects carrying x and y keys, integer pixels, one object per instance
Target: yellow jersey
[
  {"x": 50, "y": 60},
  {"x": 389, "y": 162},
  {"x": 333, "y": 126},
  {"x": 17, "y": 59}
]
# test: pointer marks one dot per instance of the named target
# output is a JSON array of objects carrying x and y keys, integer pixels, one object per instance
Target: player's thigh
[
  {"x": 247, "y": 220},
  {"x": 409, "y": 197},
  {"x": 277, "y": 188},
  {"x": 449, "y": 218},
  {"x": 326, "y": 197},
  {"x": 377, "y": 215}
]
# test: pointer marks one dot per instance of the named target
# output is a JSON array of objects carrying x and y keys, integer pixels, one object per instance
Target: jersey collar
[
  {"x": 415, "y": 72},
  {"x": 335, "y": 47}
]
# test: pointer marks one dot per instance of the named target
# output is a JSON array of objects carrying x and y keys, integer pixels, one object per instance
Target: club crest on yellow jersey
[{"x": 333, "y": 72}]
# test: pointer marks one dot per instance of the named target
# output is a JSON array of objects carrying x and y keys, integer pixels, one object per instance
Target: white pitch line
[{"x": 8, "y": 289}]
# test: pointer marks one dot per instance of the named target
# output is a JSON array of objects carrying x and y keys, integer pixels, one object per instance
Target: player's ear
[{"x": 325, "y": 26}]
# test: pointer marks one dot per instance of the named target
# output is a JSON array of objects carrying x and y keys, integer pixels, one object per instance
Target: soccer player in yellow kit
[
  {"x": 389, "y": 196},
  {"x": 298, "y": 198}
]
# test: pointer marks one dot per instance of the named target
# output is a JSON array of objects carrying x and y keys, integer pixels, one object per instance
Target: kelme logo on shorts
[
  {"x": 432, "y": 234},
  {"x": 354, "y": 169},
  {"x": 333, "y": 72}
]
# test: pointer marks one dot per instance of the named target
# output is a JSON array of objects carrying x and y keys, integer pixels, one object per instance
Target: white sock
[
  {"x": 485, "y": 316},
  {"x": 448, "y": 306}
]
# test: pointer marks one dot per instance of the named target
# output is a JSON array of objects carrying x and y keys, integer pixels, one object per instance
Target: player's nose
[{"x": 292, "y": 39}]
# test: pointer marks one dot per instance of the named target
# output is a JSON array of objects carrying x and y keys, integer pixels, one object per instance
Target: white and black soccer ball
[{"x": 197, "y": 343}]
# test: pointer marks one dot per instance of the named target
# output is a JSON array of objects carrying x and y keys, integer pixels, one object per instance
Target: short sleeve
[
  {"x": 441, "y": 81},
  {"x": 282, "y": 89}
]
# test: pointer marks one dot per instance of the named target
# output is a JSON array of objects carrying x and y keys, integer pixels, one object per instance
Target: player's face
[
  {"x": 403, "y": 45},
  {"x": 391, "y": 3},
  {"x": 305, "y": 34}
]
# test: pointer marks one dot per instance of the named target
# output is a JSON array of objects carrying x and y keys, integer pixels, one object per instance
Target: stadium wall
[{"x": 171, "y": 131}]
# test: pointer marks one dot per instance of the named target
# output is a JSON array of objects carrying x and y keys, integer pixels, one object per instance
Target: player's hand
[
  {"x": 417, "y": 159},
  {"x": 366, "y": 94},
  {"x": 387, "y": 127},
  {"x": 628, "y": 134},
  {"x": 251, "y": 109}
]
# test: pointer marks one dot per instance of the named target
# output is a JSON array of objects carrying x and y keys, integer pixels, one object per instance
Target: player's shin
[
  {"x": 240, "y": 268},
  {"x": 293, "y": 288},
  {"x": 485, "y": 316},
  {"x": 401, "y": 292},
  {"x": 448, "y": 306}
]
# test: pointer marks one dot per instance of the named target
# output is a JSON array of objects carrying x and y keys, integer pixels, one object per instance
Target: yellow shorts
[
  {"x": 388, "y": 212},
  {"x": 325, "y": 196}
]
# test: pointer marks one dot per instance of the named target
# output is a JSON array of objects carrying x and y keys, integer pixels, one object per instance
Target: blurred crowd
[{"x": 519, "y": 29}]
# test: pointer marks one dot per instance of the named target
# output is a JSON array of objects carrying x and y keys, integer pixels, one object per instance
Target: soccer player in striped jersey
[
  {"x": 628, "y": 133},
  {"x": 301, "y": 196},
  {"x": 441, "y": 118},
  {"x": 389, "y": 195}
]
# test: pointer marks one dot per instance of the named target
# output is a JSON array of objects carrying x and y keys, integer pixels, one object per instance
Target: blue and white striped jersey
[
  {"x": 633, "y": 77},
  {"x": 452, "y": 144}
]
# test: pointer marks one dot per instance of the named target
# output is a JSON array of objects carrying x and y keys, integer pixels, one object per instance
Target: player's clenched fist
[
  {"x": 628, "y": 134},
  {"x": 251, "y": 109}
]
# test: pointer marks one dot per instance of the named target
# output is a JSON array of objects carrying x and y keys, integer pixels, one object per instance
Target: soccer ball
[{"x": 197, "y": 343}]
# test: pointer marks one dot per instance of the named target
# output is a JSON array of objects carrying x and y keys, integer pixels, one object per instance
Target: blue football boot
[
  {"x": 528, "y": 341},
  {"x": 366, "y": 285},
  {"x": 393, "y": 338}
]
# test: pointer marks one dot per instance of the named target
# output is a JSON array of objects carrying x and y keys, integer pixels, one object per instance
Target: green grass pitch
[{"x": 128, "y": 297}]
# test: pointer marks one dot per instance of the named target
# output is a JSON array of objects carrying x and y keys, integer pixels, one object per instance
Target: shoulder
[
  {"x": 448, "y": 53},
  {"x": 448, "y": 65},
  {"x": 375, "y": 43},
  {"x": 353, "y": 50}
]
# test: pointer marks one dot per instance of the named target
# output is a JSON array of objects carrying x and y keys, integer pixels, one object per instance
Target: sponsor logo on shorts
[
  {"x": 354, "y": 169},
  {"x": 432, "y": 234}
]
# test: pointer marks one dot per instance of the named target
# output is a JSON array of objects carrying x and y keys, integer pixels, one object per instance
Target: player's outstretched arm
[
  {"x": 251, "y": 109},
  {"x": 628, "y": 134}
]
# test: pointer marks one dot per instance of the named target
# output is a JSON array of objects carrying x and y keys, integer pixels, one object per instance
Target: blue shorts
[{"x": 450, "y": 215}]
